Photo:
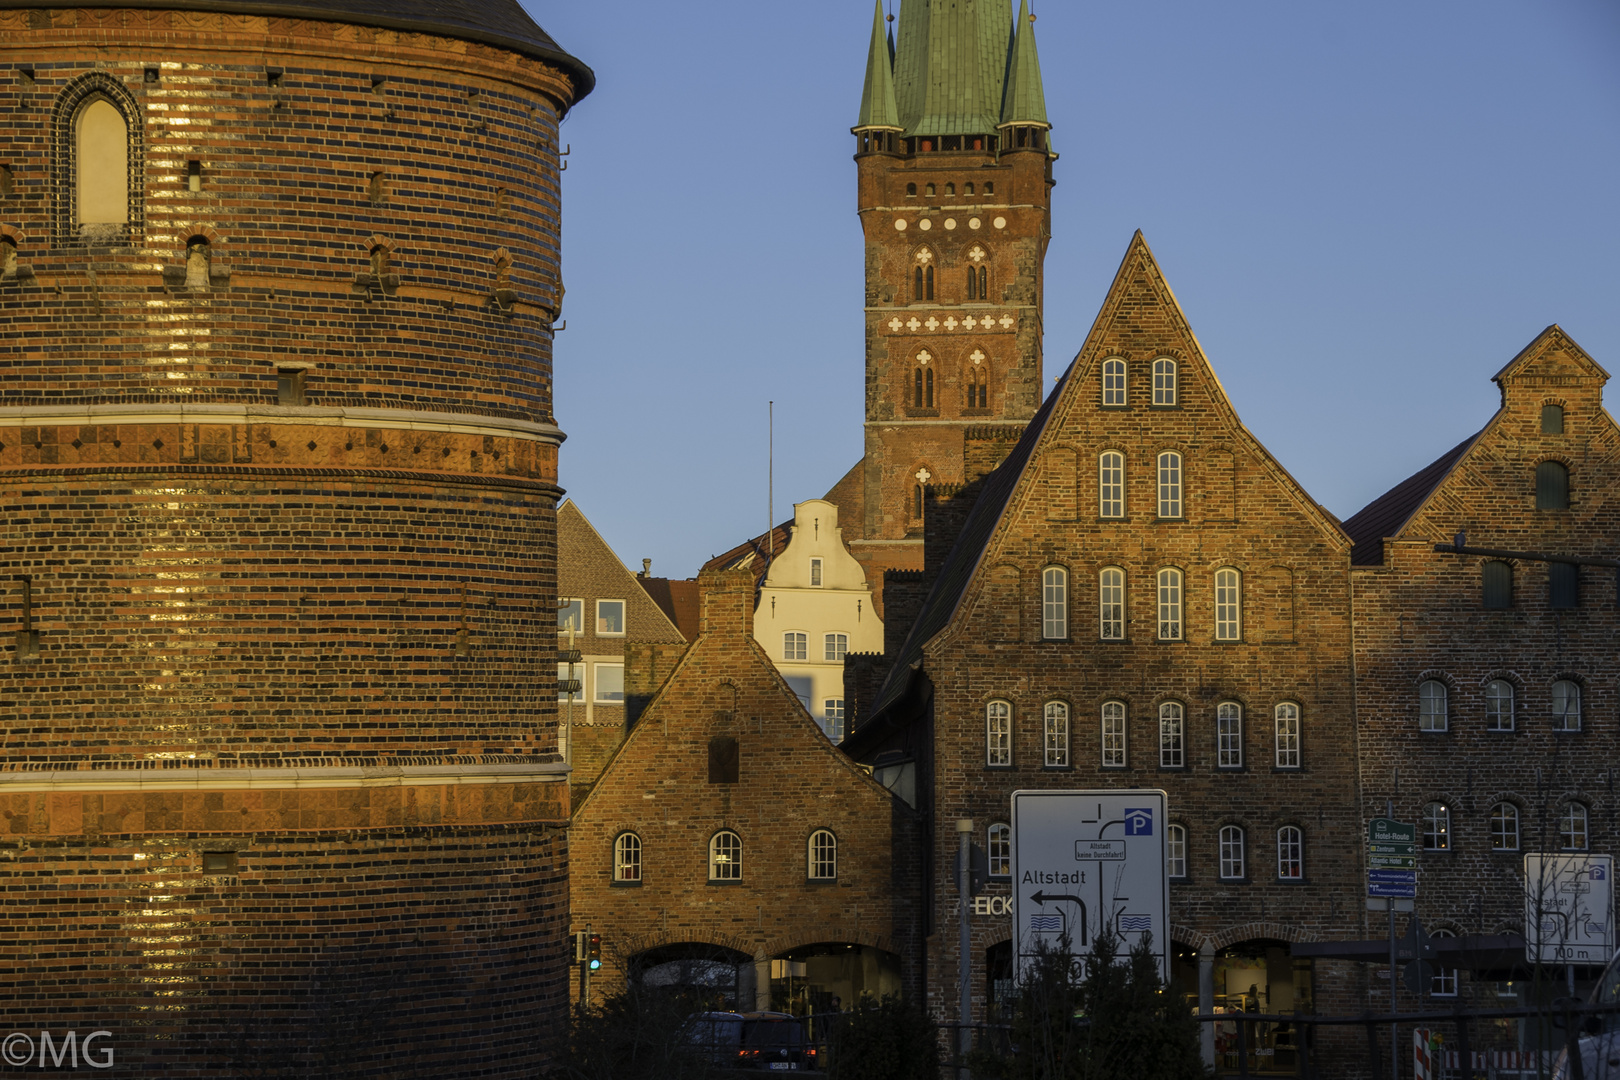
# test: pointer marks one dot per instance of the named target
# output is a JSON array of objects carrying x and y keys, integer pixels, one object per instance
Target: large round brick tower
[{"x": 278, "y": 474}]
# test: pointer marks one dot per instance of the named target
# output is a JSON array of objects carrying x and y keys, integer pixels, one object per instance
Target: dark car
[
  {"x": 717, "y": 1036},
  {"x": 775, "y": 1041}
]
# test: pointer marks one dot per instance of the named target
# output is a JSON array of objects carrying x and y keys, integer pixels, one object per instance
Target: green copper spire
[
  {"x": 1024, "y": 101},
  {"x": 877, "y": 97},
  {"x": 950, "y": 65}
]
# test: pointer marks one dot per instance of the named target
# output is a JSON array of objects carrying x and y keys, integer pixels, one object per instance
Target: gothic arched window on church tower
[
  {"x": 911, "y": 191},
  {"x": 923, "y": 386},
  {"x": 978, "y": 382},
  {"x": 922, "y": 276}
]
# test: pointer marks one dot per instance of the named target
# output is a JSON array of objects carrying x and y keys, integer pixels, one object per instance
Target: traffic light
[{"x": 593, "y": 952}]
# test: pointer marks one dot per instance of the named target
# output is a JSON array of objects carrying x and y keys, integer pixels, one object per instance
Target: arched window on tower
[
  {"x": 922, "y": 276},
  {"x": 101, "y": 165},
  {"x": 923, "y": 382},
  {"x": 978, "y": 382}
]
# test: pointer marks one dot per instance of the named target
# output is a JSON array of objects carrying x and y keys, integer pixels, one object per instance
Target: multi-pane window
[
  {"x": 999, "y": 845},
  {"x": 1444, "y": 981},
  {"x": 923, "y": 388},
  {"x": 1432, "y": 705},
  {"x": 1436, "y": 827},
  {"x": 725, "y": 856},
  {"x": 1504, "y": 827},
  {"x": 610, "y": 618},
  {"x": 795, "y": 646},
  {"x": 609, "y": 683},
  {"x": 1169, "y": 484},
  {"x": 1054, "y": 603},
  {"x": 1113, "y": 735},
  {"x": 1172, "y": 735},
  {"x": 1290, "y": 854},
  {"x": 1228, "y": 605},
  {"x": 1566, "y": 705},
  {"x": 1231, "y": 853},
  {"x": 1287, "y": 717},
  {"x": 1496, "y": 584},
  {"x": 571, "y": 616},
  {"x": 834, "y": 646},
  {"x": 1229, "y": 735},
  {"x": 833, "y": 710},
  {"x": 1057, "y": 735},
  {"x": 1111, "y": 484},
  {"x": 1498, "y": 705},
  {"x": 1552, "y": 486},
  {"x": 822, "y": 856},
  {"x": 815, "y": 573},
  {"x": 1164, "y": 381},
  {"x": 1572, "y": 827},
  {"x": 998, "y": 733},
  {"x": 1113, "y": 383},
  {"x": 1175, "y": 851},
  {"x": 627, "y": 857},
  {"x": 1111, "y": 603},
  {"x": 1169, "y": 605}
]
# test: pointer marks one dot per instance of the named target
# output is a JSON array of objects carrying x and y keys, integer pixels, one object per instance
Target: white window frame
[
  {"x": 832, "y": 709},
  {"x": 1290, "y": 853},
  {"x": 1286, "y": 715},
  {"x": 1111, "y": 485},
  {"x": 815, "y": 573},
  {"x": 795, "y": 645},
  {"x": 1233, "y": 866},
  {"x": 1113, "y": 383},
  {"x": 624, "y": 618},
  {"x": 1504, "y": 826},
  {"x": 596, "y": 683},
  {"x": 1169, "y": 473},
  {"x": 1170, "y": 583},
  {"x": 998, "y": 845},
  {"x": 1444, "y": 981},
  {"x": 1114, "y": 735},
  {"x": 1054, "y": 604},
  {"x": 1498, "y": 691},
  {"x": 1574, "y": 827},
  {"x": 1229, "y": 735},
  {"x": 1434, "y": 827},
  {"x": 563, "y": 614},
  {"x": 1165, "y": 390},
  {"x": 1228, "y": 604},
  {"x": 1566, "y": 705},
  {"x": 1175, "y": 851},
  {"x": 998, "y": 734},
  {"x": 1172, "y": 735},
  {"x": 627, "y": 857},
  {"x": 1055, "y": 723},
  {"x": 725, "y": 865},
  {"x": 821, "y": 856},
  {"x": 1430, "y": 693},
  {"x": 834, "y": 647},
  {"x": 1111, "y": 603}
]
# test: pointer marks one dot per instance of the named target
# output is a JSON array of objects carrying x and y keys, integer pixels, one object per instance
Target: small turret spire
[
  {"x": 1023, "y": 102},
  {"x": 878, "y": 111}
]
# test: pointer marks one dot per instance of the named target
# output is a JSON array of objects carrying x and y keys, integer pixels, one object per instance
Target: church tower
[{"x": 955, "y": 171}]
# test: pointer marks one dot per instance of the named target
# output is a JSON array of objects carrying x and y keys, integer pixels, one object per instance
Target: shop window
[
  {"x": 1504, "y": 827},
  {"x": 1172, "y": 736},
  {"x": 1111, "y": 603},
  {"x": 1113, "y": 735},
  {"x": 1498, "y": 705},
  {"x": 822, "y": 856},
  {"x": 1111, "y": 484},
  {"x": 1164, "y": 382},
  {"x": 1552, "y": 486},
  {"x": 1290, "y": 854},
  {"x": 795, "y": 645},
  {"x": 1287, "y": 721},
  {"x": 998, "y": 734},
  {"x": 998, "y": 843},
  {"x": 1435, "y": 825},
  {"x": 1432, "y": 713},
  {"x": 1228, "y": 604},
  {"x": 725, "y": 760},
  {"x": 627, "y": 857},
  {"x": 1175, "y": 850},
  {"x": 1229, "y": 735},
  {"x": 1169, "y": 605},
  {"x": 1056, "y": 727},
  {"x": 1055, "y": 603},
  {"x": 1231, "y": 853},
  {"x": 1566, "y": 705},
  {"x": 610, "y": 618},
  {"x": 725, "y": 856},
  {"x": 1572, "y": 833},
  {"x": 1113, "y": 383},
  {"x": 1496, "y": 582}
]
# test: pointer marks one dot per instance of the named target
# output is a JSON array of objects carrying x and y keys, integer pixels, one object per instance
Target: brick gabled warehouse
[{"x": 280, "y": 778}]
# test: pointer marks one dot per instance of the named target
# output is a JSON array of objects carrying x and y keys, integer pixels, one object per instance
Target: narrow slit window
[
  {"x": 101, "y": 161},
  {"x": 193, "y": 175},
  {"x": 815, "y": 573}
]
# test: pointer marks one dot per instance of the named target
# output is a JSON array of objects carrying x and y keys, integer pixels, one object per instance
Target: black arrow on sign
[{"x": 1041, "y": 898}]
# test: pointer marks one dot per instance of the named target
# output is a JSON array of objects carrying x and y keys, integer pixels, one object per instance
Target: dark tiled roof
[
  {"x": 1389, "y": 513},
  {"x": 755, "y": 554},
  {"x": 959, "y": 565},
  {"x": 678, "y": 599},
  {"x": 492, "y": 22}
]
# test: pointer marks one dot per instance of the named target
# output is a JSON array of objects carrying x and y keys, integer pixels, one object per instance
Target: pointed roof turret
[
  {"x": 1023, "y": 103},
  {"x": 950, "y": 65},
  {"x": 878, "y": 109}
]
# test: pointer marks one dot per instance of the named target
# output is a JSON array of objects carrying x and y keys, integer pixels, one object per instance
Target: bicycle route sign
[
  {"x": 1085, "y": 860},
  {"x": 1391, "y": 858}
]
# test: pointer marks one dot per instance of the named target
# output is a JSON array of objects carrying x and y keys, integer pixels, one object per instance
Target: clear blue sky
[{"x": 1365, "y": 209}]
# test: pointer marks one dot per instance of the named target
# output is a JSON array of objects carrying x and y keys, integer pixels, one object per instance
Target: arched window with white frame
[
  {"x": 1113, "y": 735},
  {"x": 1232, "y": 863},
  {"x": 1111, "y": 484},
  {"x": 1055, "y": 603},
  {"x": 1172, "y": 735},
  {"x": 1113, "y": 383},
  {"x": 1169, "y": 485},
  {"x": 1566, "y": 705},
  {"x": 627, "y": 857},
  {"x": 1056, "y": 724},
  {"x": 1169, "y": 604},
  {"x": 1435, "y": 827},
  {"x": 1444, "y": 981},
  {"x": 1432, "y": 705},
  {"x": 1229, "y": 735},
  {"x": 1228, "y": 604},
  {"x": 1286, "y": 715},
  {"x": 1175, "y": 851},
  {"x": 821, "y": 856},
  {"x": 998, "y": 733},
  {"x": 998, "y": 846},
  {"x": 1164, "y": 382},
  {"x": 725, "y": 856},
  {"x": 1498, "y": 705},
  {"x": 1572, "y": 832},
  {"x": 1111, "y": 604},
  {"x": 1504, "y": 827},
  {"x": 1290, "y": 854}
]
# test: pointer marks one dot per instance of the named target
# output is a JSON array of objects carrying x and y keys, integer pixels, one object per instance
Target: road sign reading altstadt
[
  {"x": 1085, "y": 860},
  {"x": 1391, "y": 858}
]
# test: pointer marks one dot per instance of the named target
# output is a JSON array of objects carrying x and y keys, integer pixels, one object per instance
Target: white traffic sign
[
  {"x": 1085, "y": 860},
  {"x": 1568, "y": 908}
]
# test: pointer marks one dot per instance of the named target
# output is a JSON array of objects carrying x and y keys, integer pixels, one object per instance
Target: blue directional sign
[{"x": 1391, "y": 859}]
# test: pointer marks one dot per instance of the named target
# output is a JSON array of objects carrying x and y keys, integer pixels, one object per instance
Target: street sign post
[
  {"x": 1391, "y": 859},
  {"x": 1568, "y": 908},
  {"x": 1086, "y": 860}
]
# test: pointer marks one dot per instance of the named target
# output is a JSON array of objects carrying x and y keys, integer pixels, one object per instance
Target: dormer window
[{"x": 815, "y": 573}]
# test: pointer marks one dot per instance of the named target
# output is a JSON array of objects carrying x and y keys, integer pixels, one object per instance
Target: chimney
[
  {"x": 646, "y": 568},
  {"x": 727, "y": 598}
]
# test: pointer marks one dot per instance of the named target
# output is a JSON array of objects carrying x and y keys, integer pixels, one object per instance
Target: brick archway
[{"x": 826, "y": 933}]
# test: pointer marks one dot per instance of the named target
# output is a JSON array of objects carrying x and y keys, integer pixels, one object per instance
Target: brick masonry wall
[
  {"x": 791, "y": 781},
  {"x": 1420, "y": 616}
]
